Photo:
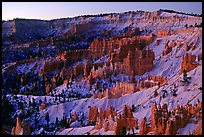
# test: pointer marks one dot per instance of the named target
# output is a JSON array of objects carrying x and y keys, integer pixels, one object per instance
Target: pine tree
[
  {"x": 59, "y": 97},
  {"x": 43, "y": 132},
  {"x": 40, "y": 101},
  {"x": 20, "y": 105},
  {"x": 30, "y": 103},
  {"x": 124, "y": 131},
  {"x": 37, "y": 109},
  {"x": 133, "y": 108},
  {"x": 36, "y": 120},
  {"x": 47, "y": 118},
  {"x": 55, "y": 97},
  {"x": 34, "y": 104},
  {"x": 63, "y": 122},
  {"x": 45, "y": 100},
  {"x": 56, "y": 121},
  {"x": 185, "y": 75},
  {"x": 110, "y": 80},
  {"x": 82, "y": 117}
]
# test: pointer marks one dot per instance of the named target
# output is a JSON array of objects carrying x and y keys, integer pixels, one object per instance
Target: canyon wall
[{"x": 188, "y": 63}]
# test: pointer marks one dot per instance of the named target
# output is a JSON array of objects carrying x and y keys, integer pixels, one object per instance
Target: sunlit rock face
[
  {"x": 126, "y": 121},
  {"x": 53, "y": 64},
  {"x": 110, "y": 121},
  {"x": 167, "y": 49},
  {"x": 93, "y": 113},
  {"x": 168, "y": 122},
  {"x": 188, "y": 63},
  {"x": 21, "y": 128},
  {"x": 142, "y": 60},
  {"x": 120, "y": 89}
]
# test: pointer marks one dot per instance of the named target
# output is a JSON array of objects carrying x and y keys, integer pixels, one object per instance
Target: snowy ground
[
  {"x": 142, "y": 98},
  {"x": 168, "y": 65}
]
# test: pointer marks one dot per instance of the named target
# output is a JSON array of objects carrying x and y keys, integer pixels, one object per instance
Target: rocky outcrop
[
  {"x": 18, "y": 128},
  {"x": 159, "y": 119},
  {"x": 169, "y": 128},
  {"x": 144, "y": 129},
  {"x": 200, "y": 56},
  {"x": 160, "y": 80},
  {"x": 138, "y": 62},
  {"x": 187, "y": 47},
  {"x": 74, "y": 55},
  {"x": 91, "y": 79},
  {"x": 164, "y": 122},
  {"x": 21, "y": 128},
  {"x": 162, "y": 33},
  {"x": 48, "y": 89},
  {"x": 26, "y": 128},
  {"x": 143, "y": 58},
  {"x": 93, "y": 113},
  {"x": 78, "y": 69},
  {"x": 123, "y": 44},
  {"x": 120, "y": 89},
  {"x": 198, "y": 130},
  {"x": 23, "y": 80},
  {"x": 52, "y": 64},
  {"x": 145, "y": 84},
  {"x": 181, "y": 31},
  {"x": 110, "y": 121},
  {"x": 157, "y": 42},
  {"x": 126, "y": 88},
  {"x": 102, "y": 72},
  {"x": 173, "y": 44},
  {"x": 43, "y": 106},
  {"x": 37, "y": 29},
  {"x": 167, "y": 49},
  {"x": 126, "y": 120},
  {"x": 75, "y": 116},
  {"x": 106, "y": 119},
  {"x": 66, "y": 74},
  {"x": 87, "y": 68},
  {"x": 188, "y": 63}
]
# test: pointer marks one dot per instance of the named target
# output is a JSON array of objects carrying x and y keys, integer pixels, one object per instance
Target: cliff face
[
  {"x": 151, "y": 81},
  {"x": 110, "y": 121},
  {"x": 164, "y": 122},
  {"x": 120, "y": 89},
  {"x": 167, "y": 49},
  {"x": 126, "y": 121},
  {"x": 24, "y": 29},
  {"x": 106, "y": 25},
  {"x": 53, "y": 64},
  {"x": 21, "y": 128},
  {"x": 142, "y": 60},
  {"x": 124, "y": 44},
  {"x": 188, "y": 63},
  {"x": 93, "y": 113}
]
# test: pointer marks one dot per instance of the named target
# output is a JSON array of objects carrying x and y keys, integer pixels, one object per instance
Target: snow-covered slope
[
  {"x": 143, "y": 100},
  {"x": 115, "y": 22},
  {"x": 76, "y": 96}
]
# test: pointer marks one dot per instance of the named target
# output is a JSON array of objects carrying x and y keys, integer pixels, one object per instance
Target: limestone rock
[
  {"x": 21, "y": 128},
  {"x": 188, "y": 63},
  {"x": 43, "y": 106},
  {"x": 75, "y": 116},
  {"x": 167, "y": 49},
  {"x": 93, "y": 113}
]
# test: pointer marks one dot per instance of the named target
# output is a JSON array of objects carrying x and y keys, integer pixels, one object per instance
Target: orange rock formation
[{"x": 188, "y": 63}]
